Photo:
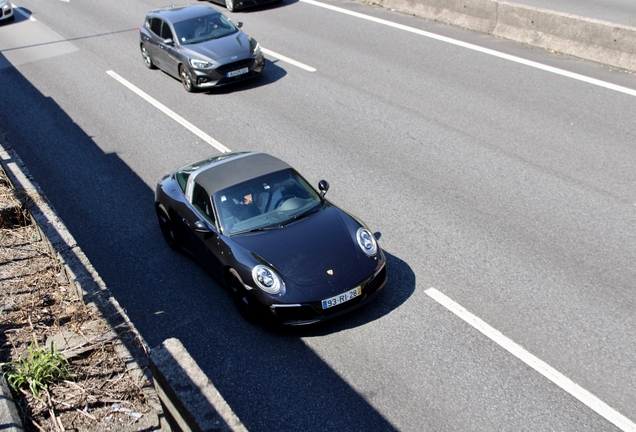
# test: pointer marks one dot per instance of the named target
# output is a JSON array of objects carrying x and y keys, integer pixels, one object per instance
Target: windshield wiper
[
  {"x": 301, "y": 216},
  {"x": 265, "y": 228}
]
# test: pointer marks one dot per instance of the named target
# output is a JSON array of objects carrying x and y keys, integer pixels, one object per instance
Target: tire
[
  {"x": 243, "y": 302},
  {"x": 167, "y": 228},
  {"x": 186, "y": 79},
  {"x": 147, "y": 59},
  {"x": 229, "y": 4}
]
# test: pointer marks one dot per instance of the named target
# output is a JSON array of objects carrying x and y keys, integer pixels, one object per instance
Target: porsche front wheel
[{"x": 241, "y": 299}]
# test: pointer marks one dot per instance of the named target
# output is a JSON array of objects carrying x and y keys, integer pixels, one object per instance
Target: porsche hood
[{"x": 318, "y": 249}]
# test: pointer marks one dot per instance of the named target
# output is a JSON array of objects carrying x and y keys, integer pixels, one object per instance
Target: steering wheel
[{"x": 282, "y": 200}]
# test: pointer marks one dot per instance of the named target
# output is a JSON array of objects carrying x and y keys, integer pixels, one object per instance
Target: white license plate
[
  {"x": 237, "y": 72},
  {"x": 341, "y": 298}
]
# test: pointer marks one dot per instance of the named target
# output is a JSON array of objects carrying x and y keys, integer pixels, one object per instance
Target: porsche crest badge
[{"x": 330, "y": 272}]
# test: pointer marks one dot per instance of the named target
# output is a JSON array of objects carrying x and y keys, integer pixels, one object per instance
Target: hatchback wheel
[
  {"x": 147, "y": 59},
  {"x": 229, "y": 4},
  {"x": 186, "y": 80}
]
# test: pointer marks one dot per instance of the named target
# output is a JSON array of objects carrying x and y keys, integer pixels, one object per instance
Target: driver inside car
[
  {"x": 247, "y": 207},
  {"x": 201, "y": 29}
]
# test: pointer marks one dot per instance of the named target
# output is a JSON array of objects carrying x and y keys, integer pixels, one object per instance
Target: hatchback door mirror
[
  {"x": 168, "y": 42},
  {"x": 323, "y": 185}
]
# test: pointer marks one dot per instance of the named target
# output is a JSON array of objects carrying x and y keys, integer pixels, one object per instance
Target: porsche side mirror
[
  {"x": 201, "y": 227},
  {"x": 239, "y": 24},
  {"x": 323, "y": 185}
]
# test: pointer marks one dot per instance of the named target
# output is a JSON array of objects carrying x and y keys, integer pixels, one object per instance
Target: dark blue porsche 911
[{"x": 281, "y": 248}]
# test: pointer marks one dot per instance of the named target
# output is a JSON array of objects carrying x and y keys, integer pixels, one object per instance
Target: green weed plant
[{"x": 43, "y": 367}]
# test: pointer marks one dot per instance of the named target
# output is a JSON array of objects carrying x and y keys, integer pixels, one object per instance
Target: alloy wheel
[
  {"x": 185, "y": 79},
  {"x": 147, "y": 59}
]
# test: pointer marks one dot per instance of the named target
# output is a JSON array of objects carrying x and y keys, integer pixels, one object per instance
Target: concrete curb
[{"x": 586, "y": 38}]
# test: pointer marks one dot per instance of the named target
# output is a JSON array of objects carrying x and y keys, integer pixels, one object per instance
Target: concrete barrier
[
  {"x": 478, "y": 15},
  {"x": 586, "y": 38}
]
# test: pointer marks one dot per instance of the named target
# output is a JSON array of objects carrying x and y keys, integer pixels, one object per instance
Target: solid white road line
[
  {"x": 540, "y": 366},
  {"x": 176, "y": 117},
  {"x": 288, "y": 60},
  {"x": 494, "y": 53}
]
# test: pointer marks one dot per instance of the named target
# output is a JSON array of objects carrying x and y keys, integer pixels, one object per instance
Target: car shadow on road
[{"x": 19, "y": 14}]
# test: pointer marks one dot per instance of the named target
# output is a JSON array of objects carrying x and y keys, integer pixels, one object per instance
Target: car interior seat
[{"x": 227, "y": 213}]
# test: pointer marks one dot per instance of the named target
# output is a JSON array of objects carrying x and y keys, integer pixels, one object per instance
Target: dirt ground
[{"x": 37, "y": 303}]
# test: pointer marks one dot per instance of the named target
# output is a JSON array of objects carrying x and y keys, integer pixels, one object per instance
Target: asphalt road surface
[{"x": 504, "y": 193}]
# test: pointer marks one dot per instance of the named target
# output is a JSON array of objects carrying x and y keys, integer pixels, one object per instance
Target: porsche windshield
[
  {"x": 266, "y": 202},
  {"x": 203, "y": 28}
]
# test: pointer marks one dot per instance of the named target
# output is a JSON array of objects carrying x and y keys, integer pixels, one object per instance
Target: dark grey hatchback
[{"x": 200, "y": 46}]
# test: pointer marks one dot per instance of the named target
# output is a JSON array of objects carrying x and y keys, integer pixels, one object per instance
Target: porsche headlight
[
  {"x": 200, "y": 64},
  {"x": 266, "y": 279},
  {"x": 367, "y": 242}
]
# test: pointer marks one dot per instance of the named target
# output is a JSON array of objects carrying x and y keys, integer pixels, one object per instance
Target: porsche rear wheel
[
  {"x": 186, "y": 80},
  {"x": 167, "y": 227}
]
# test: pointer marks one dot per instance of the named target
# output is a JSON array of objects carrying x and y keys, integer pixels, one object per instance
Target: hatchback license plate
[
  {"x": 237, "y": 72},
  {"x": 341, "y": 298}
]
